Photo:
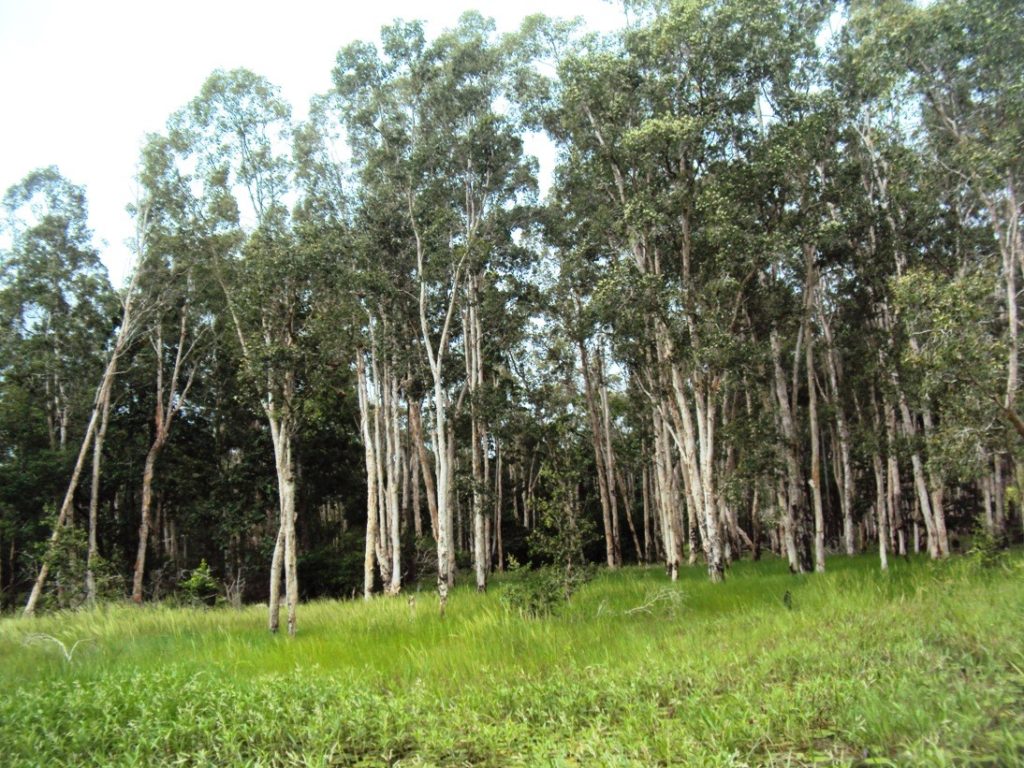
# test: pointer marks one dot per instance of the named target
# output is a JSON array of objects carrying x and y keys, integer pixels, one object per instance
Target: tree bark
[
  {"x": 94, "y": 496},
  {"x": 276, "y": 566},
  {"x": 792, "y": 514},
  {"x": 416, "y": 425},
  {"x": 371, "y": 474},
  {"x": 596, "y": 440}
]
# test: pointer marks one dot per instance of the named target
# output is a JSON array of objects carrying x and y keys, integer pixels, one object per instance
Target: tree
[
  {"x": 430, "y": 141},
  {"x": 236, "y": 130},
  {"x": 57, "y": 300},
  {"x": 172, "y": 284}
]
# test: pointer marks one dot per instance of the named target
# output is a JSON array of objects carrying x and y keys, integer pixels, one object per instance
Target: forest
[
  {"x": 765, "y": 306},
  {"x": 700, "y": 448}
]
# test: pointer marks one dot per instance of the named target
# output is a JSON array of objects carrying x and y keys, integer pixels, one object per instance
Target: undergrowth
[{"x": 922, "y": 666}]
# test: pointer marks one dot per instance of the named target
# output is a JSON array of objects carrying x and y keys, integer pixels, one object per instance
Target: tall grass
[{"x": 922, "y": 666}]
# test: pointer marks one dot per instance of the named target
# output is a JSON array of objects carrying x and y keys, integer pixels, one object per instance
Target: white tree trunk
[{"x": 94, "y": 496}]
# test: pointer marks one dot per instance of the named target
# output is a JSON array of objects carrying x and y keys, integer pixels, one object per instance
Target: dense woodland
[{"x": 769, "y": 303}]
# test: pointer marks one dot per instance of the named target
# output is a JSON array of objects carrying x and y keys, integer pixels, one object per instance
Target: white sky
[{"x": 83, "y": 81}]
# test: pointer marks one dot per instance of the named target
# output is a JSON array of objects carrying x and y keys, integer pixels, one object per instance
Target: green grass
[{"x": 922, "y": 666}]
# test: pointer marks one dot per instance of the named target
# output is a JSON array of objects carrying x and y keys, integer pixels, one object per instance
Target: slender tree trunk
[
  {"x": 146, "y": 522},
  {"x": 276, "y": 566},
  {"x": 662, "y": 487},
  {"x": 394, "y": 448},
  {"x": 282, "y": 431},
  {"x": 790, "y": 496},
  {"x": 609, "y": 455},
  {"x": 414, "y": 462},
  {"x": 94, "y": 494},
  {"x": 69, "y": 499},
  {"x": 880, "y": 494},
  {"x": 435, "y": 359},
  {"x": 645, "y": 499},
  {"x": 416, "y": 425},
  {"x": 999, "y": 494},
  {"x": 815, "y": 480},
  {"x": 371, "y": 474},
  {"x": 124, "y": 334},
  {"x": 843, "y": 432},
  {"x": 498, "y": 502},
  {"x": 627, "y": 503},
  {"x": 937, "y": 494},
  {"x": 812, "y": 415},
  {"x": 163, "y": 417},
  {"x": 599, "y": 454}
]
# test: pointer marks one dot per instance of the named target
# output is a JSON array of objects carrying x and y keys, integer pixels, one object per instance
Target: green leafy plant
[
  {"x": 534, "y": 593},
  {"x": 987, "y": 548},
  {"x": 200, "y": 588},
  {"x": 558, "y": 542}
]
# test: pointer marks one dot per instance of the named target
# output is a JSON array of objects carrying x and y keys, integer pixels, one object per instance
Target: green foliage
[
  {"x": 988, "y": 549},
  {"x": 562, "y": 532},
  {"x": 535, "y": 593},
  {"x": 66, "y": 561},
  {"x": 334, "y": 571},
  {"x": 200, "y": 588}
]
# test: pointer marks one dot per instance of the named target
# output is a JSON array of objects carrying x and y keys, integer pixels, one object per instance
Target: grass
[{"x": 922, "y": 666}]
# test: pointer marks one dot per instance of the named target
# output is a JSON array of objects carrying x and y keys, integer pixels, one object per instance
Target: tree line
[{"x": 769, "y": 302}]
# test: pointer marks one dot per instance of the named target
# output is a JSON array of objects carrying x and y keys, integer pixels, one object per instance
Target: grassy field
[{"x": 923, "y": 666}]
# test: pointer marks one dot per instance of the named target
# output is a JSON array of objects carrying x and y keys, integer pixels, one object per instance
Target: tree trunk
[
  {"x": 394, "y": 448},
  {"x": 609, "y": 451},
  {"x": 276, "y": 566},
  {"x": 596, "y": 440},
  {"x": 645, "y": 499},
  {"x": 815, "y": 480},
  {"x": 880, "y": 492},
  {"x": 498, "y": 502},
  {"x": 414, "y": 462},
  {"x": 147, "y": 513},
  {"x": 843, "y": 432},
  {"x": 627, "y": 503},
  {"x": 282, "y": 430},
  {"x": 371, "y": 474},
  {"x": 94, "y": 497},
  {"x": 163, "y": 417},
  {"x": 416, "y": 425},
  {"x": 69, "y": 496},
  {"x": 790, "y": 497}
]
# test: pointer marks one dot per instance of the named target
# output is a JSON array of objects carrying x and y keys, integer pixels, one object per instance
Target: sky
[{"x": 83, "y": 82}]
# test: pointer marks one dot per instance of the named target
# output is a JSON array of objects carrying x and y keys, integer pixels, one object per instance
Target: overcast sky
[{"x": 83, "y": 81}]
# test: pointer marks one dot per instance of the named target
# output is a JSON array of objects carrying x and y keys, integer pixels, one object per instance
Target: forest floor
[{"x": 922, "y": 666}]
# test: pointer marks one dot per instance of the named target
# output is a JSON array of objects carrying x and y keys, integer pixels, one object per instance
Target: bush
[
  {"x": 200, "y": 588},
  {"x": 541, "y": 592},
  {"x": 67, "y": 560},
  {"x": 987, "y": 549}
]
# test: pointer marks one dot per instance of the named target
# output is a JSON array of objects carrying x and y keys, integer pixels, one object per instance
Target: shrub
[
  {"x": 200, "y": 588},
  {"x": 541, "y": 592},
  {"x": 987, "y": 548}
]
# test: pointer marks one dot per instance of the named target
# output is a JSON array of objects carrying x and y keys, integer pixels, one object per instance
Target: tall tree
[{"x": 237, "y": 129}]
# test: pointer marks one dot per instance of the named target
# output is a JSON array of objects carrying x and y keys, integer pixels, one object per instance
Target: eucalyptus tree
[
  {"x": 236, "y": 133},
  {"x": 968, "y": 61},
  {"x": 966, "y": 57},
  {"x": 919, "y": 207},
  {"x": 57, "y": 300},
  {"x": 174, "y": 288},
  {"x": 431, "y": 139},
  {"x": 59, "y": 313},
  {"x": 648, "y": 126},
  {"x": 576, "y": 314}
]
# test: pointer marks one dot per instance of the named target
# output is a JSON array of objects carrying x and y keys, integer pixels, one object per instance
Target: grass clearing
[{"x": 920, "y": 666}]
